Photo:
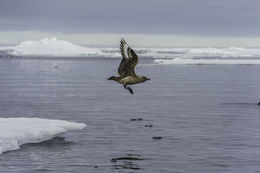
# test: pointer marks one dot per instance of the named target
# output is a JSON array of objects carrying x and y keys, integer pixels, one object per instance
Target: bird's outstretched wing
[{"x": 129, "y": 61}]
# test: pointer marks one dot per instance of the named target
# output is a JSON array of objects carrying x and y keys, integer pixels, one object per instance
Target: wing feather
[{"x": 129, "y": 61}]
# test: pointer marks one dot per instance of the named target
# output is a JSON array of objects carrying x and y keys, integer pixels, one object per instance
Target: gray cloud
[{"x": 186, "y": 17}]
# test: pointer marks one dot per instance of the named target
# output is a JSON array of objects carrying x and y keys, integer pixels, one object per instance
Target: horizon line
[{"x": 137, "y": 40}]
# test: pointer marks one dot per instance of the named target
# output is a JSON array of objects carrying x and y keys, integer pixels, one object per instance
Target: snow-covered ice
[
  {"x": 51, "y": 47},
  {"x": 183, "y": 61},
  {"x": 17, "y": 131}
]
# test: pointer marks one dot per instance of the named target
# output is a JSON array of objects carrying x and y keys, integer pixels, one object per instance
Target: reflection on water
[
  {"x": 59, "y": 145},
  {"x": 54, "y": 143},
  {"x": 129, "y": 162}
]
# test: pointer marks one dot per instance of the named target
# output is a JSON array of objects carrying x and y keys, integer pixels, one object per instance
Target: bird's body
[
  {"x": 126, "y": 68},
  {"x": 129, "y": 80}
]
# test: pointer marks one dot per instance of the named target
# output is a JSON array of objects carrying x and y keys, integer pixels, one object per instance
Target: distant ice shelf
[
  {"x": 54, "y": 47},
  {"x": 17, "y": 131},
  {"x": 182, "y": 61},
  {"x": 50, "y": 47}
]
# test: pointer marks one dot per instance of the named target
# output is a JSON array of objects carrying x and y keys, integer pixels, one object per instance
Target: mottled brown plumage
[{"x": 126, "y": 69}]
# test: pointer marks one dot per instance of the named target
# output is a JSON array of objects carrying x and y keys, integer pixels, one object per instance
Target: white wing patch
[{"x": 125, "y": 49}]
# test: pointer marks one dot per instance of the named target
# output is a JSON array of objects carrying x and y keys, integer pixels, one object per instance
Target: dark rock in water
[
  {"x": 148, "y": 125},
  {"x": 113, "y": 160},
  {"x": 125, "y": 158},
  {"x": 157, "y": 137},
  {"x": 259, "y": 103},
  {"x": 126, "y": 166},
  {"x": 137, "y": 119},
  {"x": 95, "y": 166}
]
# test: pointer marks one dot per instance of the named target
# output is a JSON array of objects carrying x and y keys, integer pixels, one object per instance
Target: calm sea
[{"x": 188, "y": 118}]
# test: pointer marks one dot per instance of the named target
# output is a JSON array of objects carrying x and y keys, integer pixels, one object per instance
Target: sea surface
[{"x": 188, "y": 118}]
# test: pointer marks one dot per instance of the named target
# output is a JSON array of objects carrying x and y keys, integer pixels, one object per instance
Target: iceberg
[
  {"x": 51, "y": 47},
  {"x": 17, "y": 131}
]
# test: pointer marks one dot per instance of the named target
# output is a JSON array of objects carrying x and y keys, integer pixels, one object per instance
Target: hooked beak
[{"x": 148, "y": 79}]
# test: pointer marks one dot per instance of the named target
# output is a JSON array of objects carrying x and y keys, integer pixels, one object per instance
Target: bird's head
[
  {"x": 145, "y": 78},
  {"x": 112, "y": 78}
]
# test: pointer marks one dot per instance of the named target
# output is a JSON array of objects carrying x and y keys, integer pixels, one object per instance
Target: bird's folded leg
[{"x": 129, "y": 89}]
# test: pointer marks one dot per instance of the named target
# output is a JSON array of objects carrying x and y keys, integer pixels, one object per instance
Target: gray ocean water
[{"x": 207, "y": 116}]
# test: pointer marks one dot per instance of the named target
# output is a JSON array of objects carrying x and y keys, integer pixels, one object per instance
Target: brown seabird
[{"x": 126, "y": 69}]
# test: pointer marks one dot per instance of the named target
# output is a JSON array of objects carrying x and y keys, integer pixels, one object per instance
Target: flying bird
[{"x": 126, "y": 69}]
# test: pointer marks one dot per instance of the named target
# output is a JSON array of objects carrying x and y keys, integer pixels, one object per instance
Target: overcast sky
[{"x": 200, "y": 18}]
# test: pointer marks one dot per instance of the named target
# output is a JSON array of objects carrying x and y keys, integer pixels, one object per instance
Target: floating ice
[
  {"x": 225, "y": 52},
  {"x": 183, "y": 61},
  {"x": 51, "y": 47},
  {"x": 54, "y": 47},
  {"x": 17, "y": 131},
  {"x": 200, "y": 56},
  {"x": 165, "y": 53}
]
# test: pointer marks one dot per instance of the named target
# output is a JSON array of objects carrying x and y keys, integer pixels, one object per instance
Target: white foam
[
  {"x": 51, "y": 47},
  {"x": 183, "y": 61},
  {"x": 17, "y": 131}
]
